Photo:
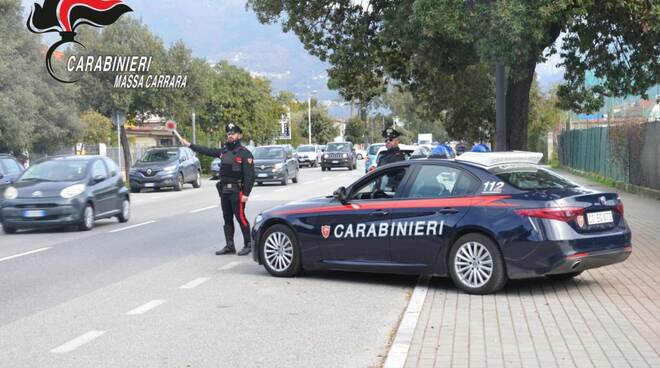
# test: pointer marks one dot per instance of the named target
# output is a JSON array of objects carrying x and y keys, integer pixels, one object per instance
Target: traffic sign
[
  {"x": 119, "y": 118},
  {"x": 170, "y": 125}
]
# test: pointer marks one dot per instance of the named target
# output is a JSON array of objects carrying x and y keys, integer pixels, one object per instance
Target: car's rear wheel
[
  {"x": 198, "y": 180},
  {"x": 476, "y": 265},
  {"x": 87, "y": 218},
  {"x": 178, "y": 185},
  {"x": 280, "y": 252},
  {"x": 564, "y": 276},
  {"x": 8, "y": 229},
  {"x": 359, "y": 156},
  {"x": 124, "y": 211}
]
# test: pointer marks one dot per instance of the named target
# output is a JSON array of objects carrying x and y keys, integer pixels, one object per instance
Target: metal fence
[{"x": 614, "y": 152}]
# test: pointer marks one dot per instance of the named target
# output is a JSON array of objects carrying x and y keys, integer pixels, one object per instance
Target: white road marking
[
  {"x": 229, "y": 266},
  {"x": 132, "y": 226},
  {"x": 254, "y": 196},
  {"x": 147, "y": 307},
  {"x": 396, "y": 357},
  {"x": 77, "y": 342},
  {"x": 195, "y": 283},
  {"x": 23, "y": 254},
  {"x": 281, "y": 190},
  {"x": 203, "y": 209}
]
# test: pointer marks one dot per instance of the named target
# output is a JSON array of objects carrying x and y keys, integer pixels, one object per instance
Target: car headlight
[
  {"x": 278, "y": 166},
  {"x": 72, "y": 191},
  {"x": 169, "y": 169},
  {"x": 344, "y": 155},
  {"x": 11, "y": 193},
  {"x": 258, "y": 219}
]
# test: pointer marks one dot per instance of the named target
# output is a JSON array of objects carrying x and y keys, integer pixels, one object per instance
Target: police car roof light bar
[{"x": 498, "y": 158}]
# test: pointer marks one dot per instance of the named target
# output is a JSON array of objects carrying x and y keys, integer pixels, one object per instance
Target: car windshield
[
  {"x": 56, "y": 170},
  {"x": 531, "y": 177},
  {"x": 373, "y": 149},
  {"x": 339, "y": 147},
  {"x": 160, "y": 155},
  {"x": 306, "y": 149},
  {"x": 268, "y": 153}
]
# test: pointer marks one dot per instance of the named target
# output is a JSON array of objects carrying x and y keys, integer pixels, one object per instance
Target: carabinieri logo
[{"x": 64, "y": 16}]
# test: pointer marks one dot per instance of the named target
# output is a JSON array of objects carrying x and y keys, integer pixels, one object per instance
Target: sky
[{"x": 224, "y": 29}]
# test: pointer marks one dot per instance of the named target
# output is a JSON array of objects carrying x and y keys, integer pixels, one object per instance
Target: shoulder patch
[{"x": 238, "y": 159}]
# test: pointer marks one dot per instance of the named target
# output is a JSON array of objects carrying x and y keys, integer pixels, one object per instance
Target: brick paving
[{"x": 606, "y": 317}]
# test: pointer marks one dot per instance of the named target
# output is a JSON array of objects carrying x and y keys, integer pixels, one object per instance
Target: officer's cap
[
  {"x": 233, "y": 128},
  {"x": 391, "y": 133}
]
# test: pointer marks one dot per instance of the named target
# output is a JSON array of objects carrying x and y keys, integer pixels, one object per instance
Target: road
[{"x": 151, "y": 293}]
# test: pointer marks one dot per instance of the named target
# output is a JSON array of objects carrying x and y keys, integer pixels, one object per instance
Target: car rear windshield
[
  {"x": 373, "y": 149},
  {"x": 531, "y": 177},
  {"x": 306, "y": 149},
  {"x": 160, "y": 155},
  {"x": 56, "y": 170},
  {"x": 262, "y": 153},
  {"x": 339, "y": 147}
]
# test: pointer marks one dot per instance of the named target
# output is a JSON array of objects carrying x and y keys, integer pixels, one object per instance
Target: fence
[{"x": 627, "y": 153}]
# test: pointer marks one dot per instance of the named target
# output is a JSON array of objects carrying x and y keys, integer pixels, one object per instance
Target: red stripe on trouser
[{"x": 241, "y": 209}]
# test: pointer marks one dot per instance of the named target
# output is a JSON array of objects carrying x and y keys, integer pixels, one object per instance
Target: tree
[
  {"x": 410, "y": 41},
  {"x": 355, "y": 130},
  {"x": 38, "y": 113},
  {"x": 98, "y": 128}
]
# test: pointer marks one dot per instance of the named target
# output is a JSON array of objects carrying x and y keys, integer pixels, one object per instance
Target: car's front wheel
[
  {"x": 124, "y": 211},
  {"x": 87, "y": 218},
  {"x": 178, "y": 185},
  {"x": 476, "y": 265},
  {"x": 280, "y": 253},
  {"x": 8, "y": 229}
]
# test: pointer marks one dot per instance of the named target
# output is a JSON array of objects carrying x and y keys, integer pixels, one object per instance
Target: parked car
[
  {"x": 275, "y": 163},
  {"x": 10, "y": 169},
  {"x": 481, "y": 219},
  {"x": 408, "y": 152},
  {"x": 68, "y": 190},
  {"x": 360, "y": 153},
  {"x": 309, "y": 154},
  {"x": 372, "y": 151},
  {"x": 215, "y": 168},
  {"x": 339, "y": 154},
  {"x": 166, "y": 167}
]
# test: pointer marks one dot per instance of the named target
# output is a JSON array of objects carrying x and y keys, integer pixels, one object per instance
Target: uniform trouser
[{"x": 233, "y": 206}]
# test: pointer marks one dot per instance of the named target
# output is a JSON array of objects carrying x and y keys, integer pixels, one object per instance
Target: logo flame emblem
[
  {"x": 325, "y": 231},
  {"x": 64, "y": 16}
]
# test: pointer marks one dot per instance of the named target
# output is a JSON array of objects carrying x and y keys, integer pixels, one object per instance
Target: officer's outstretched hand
[
  {"x": 244, "y": 199},
  {"x": 185, "y": 142}
]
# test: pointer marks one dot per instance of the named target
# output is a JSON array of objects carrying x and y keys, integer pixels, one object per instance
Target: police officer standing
[
  {"x": 393, "y": 153},
  {"x": 234, "y": 186}
]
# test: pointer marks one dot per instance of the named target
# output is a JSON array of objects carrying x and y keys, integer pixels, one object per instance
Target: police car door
[
  {"x": 434, "y": 202},
  {"x": 360, "y": 233}
]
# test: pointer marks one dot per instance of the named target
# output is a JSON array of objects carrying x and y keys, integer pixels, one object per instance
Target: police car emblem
[
  {"x": 263, "y": 167},
  {"x": 325, "y": 231}
]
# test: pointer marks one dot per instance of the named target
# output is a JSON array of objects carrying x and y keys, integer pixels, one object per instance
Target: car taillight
[
  {"x": 561, "y": 214},
  {"x": 619, "y": 207}
]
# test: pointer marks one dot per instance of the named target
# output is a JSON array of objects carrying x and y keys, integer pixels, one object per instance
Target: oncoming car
[{"x": 481, "y": 219}]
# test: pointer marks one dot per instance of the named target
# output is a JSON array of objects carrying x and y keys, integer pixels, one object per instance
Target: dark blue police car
[{"x": 480, "y": 219}]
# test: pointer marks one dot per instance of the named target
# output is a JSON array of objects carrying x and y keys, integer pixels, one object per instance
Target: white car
[
  {"x": 360, "y": 154},
  {"x": 309, "y": 155}
]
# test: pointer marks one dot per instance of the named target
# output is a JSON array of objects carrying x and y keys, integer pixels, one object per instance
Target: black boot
[
  {"x": 228, "y": 249},
  {"x": 246, "y": 250}
]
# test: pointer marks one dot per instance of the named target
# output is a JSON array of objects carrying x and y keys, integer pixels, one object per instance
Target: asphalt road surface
[{"x": 151, "y": 293}]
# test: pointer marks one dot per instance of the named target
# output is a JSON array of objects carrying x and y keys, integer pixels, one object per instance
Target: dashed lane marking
[
  {"x": 23, "y": 254},
  {"x": 229, "y": 266},
  {"x": 195, "y": 283},
  {"x": 146, "y": 307},
  {"x": 203, "y": 209},
  {"x": 132, "y": 226},
  {"x": 77, "y": 342}
]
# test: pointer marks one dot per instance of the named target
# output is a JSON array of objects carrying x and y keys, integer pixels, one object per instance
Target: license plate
[
  {"x": 335, "y": 161},
  {"x": 149, "y": 185},
  {"x": 263, "y": 175},
  {"x": 595, "y": 218},
  {"x": 34, "y": 213}
]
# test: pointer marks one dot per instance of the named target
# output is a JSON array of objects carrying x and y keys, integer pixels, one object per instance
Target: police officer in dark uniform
[
  {"x": 234, "y": 186},
  {"x": 393, "y": 153}
]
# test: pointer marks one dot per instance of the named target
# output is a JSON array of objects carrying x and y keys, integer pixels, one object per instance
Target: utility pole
[
  {"x": 194, "y": 131},
  {"x": 309, "y": 119},
  {"x": 500, "y": 114}
]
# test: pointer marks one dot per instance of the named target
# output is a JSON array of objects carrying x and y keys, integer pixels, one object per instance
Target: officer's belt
[{"x": 237, "y": 184}]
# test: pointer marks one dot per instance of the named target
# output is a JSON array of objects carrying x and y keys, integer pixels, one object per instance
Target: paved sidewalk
[{"x": 606, "y": 317}]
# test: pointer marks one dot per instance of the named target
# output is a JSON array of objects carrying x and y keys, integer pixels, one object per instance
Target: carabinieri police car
[{"x": 481, "y": 219}]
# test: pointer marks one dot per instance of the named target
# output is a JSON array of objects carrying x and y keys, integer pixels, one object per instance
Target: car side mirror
[{"x": 341, "y": 195}]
